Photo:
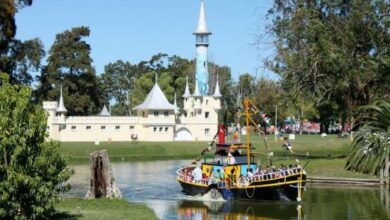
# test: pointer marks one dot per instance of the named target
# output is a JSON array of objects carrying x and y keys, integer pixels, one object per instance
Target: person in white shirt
[{"x": 197, "y": 174}]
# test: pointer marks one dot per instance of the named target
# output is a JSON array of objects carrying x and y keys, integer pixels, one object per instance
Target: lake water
[{"x": 154, "y": 184}]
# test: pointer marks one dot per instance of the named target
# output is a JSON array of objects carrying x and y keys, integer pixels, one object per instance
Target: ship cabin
[{"x": 231, "y": 159}]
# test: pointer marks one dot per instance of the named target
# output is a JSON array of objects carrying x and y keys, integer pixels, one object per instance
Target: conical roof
[
  {"x": 196, "y": 91},
  {"x": 156, "y": 100},
  {"x": 187, "y": 92},
  {"x": 217, "y": 93},
  {"x": 61, "y": 107},
  {"x": 202, "y": 23},
  {"x": 104, "y": 111}
]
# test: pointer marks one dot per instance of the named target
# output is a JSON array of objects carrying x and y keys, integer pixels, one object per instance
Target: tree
[
  {"x": 70, "y": 65},
  {"x": 8, "y": 8},
  {"x": 117, "y": 84},
  {"x": 21, "y": 58},
  {"x": 32, "y": 171},
  {"x": 372, "y": 141},
  {"x": 336, "y": 51}
]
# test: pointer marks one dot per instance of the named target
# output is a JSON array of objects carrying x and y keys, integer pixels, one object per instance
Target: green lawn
[
  {"x": 98, "y": 209},
  {"x": 312, "y": 144},
  {"x": 326, "y": 155}
]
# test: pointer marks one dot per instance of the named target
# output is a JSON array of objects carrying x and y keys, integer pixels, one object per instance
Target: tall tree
[
  {"x": 21, "y": 59},
  {"x": 32, "y": 172},
  {"x": 8, "y": 9},
  {"x": 336, "y": 51},
  {"x": 69, "y": 64}
]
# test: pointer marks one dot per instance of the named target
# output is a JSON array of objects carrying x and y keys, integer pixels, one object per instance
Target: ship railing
[
  {"x": 244, "y": 181},
  {"x": 185, "y": 175}
]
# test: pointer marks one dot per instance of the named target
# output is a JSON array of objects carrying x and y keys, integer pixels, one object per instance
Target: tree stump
[{"x": 102, "y": 180}]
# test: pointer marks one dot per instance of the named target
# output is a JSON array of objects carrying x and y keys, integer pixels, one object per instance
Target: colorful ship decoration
[{"x": 233, "y": 173}]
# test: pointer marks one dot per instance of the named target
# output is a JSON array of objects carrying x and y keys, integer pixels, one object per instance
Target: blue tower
[{"x": 202, "y": 42}]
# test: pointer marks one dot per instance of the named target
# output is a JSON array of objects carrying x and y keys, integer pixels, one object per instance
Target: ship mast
[{"x": 247, "y": 117}]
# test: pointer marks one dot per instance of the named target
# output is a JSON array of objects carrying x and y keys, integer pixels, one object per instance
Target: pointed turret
[
  {"x": 61, "y": 107},
  {"x": 104, "y": 111},
  {"x": 217, "y": 93},
  {"x": 202, "y": 23},
  {"x": 187, "y": 92},
  {"x": 196, "y": 90}
]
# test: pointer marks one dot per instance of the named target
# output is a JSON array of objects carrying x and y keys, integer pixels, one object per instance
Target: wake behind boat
[{"x": 232, "y": 172}]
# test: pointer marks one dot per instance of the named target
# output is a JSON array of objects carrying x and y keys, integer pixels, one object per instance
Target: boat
[{"x": 232, "y": 172}]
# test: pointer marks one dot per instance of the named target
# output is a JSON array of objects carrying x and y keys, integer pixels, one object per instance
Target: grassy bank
[
  {"x": 101, "y": 209},
  {"x": 313, "y": 145},
  {"x": 326, "y": 154}
]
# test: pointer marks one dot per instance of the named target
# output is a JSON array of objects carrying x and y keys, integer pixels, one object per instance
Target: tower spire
[
  {"x": 187, "y": 92},
  {"x": 202, "y": 23},
  {"x": 217, "y": 93},
  {"x": 175, "y": 105},
  {"x": 202, "y": 42},
  {"x": 61, "y": 107},
  {"x": 196, "y": 90}
]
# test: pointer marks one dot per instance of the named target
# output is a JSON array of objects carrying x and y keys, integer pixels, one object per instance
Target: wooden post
[{"x": 102, "y": 180}]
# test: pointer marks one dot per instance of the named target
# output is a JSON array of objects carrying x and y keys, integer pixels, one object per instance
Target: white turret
[
  {"x": 104, "y": 112},
  {"x": 61, "y": 107},
  {"x": 187, "y": 92},
  {"x": 217, "y": 93}
]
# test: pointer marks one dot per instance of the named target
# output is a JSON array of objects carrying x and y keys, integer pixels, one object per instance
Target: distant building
[{"x": 156, "y": 118}]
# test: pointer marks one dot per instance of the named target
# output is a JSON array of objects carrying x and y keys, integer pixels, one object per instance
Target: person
[
  {"x": 197, "y": 174},
  {"x": 249, "y": 173},
  {"x": 286, "y": 145},
  {"x": 231, "y": 158}
]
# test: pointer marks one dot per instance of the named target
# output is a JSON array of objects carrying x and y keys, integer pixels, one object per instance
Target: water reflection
[{"x": 154, "y": 184}]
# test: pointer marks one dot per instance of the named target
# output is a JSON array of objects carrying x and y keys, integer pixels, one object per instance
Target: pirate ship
[{"x": 232, "y": 172}]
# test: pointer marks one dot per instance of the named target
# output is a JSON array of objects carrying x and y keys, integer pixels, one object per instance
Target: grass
[
  {"x": 326, "y": 154},
  {"x": 69, "y": 209},
  {"x": 129, "y": 151}
]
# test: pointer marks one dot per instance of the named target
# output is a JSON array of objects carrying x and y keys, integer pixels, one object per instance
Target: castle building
[{"x": 156, "y": 118}]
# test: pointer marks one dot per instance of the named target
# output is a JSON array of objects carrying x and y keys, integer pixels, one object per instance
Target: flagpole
[{"x": 276, "y": 122}]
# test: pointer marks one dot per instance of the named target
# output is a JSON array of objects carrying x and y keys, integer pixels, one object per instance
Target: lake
[{"x": 154, "y": 183}]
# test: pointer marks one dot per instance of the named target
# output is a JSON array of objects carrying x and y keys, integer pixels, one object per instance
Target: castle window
[
  {"x": 186, "y": 99},
  {"x": 154, "y": 129},
  {"x": 166, "y": 113},
  {"x": 102, "y": 127},
  {"x": 204, "y": 64},
  {"x": 88, "y": 127},
  {"x": 166, "y": 129},
  {"x": 160, "y": 129},
  {"x": 207, "y": 131},
  {"x": 73, "y": 128},
  {"x": 155, "y": 113},
  {"x": 206, "y": 115},
  {"x": 143, "y": 114},
  {"x": 117, "y": 127},
  {"x": 185, "y": 114},
  {"x": 207, "y": 102},
  {"x": 192, "y": 114},
  {"x": 131, "y": 127}
]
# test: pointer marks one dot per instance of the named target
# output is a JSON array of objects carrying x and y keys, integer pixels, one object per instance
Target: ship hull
[{"x": 281, "y": 189}]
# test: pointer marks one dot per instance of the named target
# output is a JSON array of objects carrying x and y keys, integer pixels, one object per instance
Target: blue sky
[{"x": 134, "y": 30}]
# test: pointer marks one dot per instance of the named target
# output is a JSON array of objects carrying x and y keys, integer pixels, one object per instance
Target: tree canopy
[
  {"x": 336, "y": 52},
  {"x": 32, "y": 171},
  {"x": 69, "y": 64}
]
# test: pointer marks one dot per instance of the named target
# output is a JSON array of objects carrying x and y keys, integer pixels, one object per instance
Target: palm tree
[{"x": 370, "y": 148}]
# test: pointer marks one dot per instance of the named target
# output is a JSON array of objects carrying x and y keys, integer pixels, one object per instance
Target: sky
[{"x": 135, "y": 30}]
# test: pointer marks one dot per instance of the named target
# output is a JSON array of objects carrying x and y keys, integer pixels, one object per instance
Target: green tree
[
  {"x": 372, "y": 141},
  {"x": 8, "y": 9},
  {"x": 69, "y": 64},
  {"x": 20, "y": 59},
  {"x": 32, "y": 171},
  {"x": 336, "y": 51},
  {"x": 117, "y": 84}
]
